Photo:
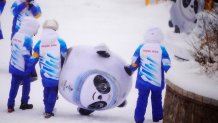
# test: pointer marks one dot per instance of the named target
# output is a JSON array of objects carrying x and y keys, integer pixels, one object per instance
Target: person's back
[
  {"x": 21, "y": 9},
  {"x": 152, "y": 60},
  {"x": 50, "y": 51},
  {"x": 21, "y": 48}
]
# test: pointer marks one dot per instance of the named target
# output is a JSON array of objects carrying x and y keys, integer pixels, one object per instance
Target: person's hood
[
  {"x": 49, "y": 36},
  {"x": 153, "y": 35},
  {"x": 29, "y": 26}
]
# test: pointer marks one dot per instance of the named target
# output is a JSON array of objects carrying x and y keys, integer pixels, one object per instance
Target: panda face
[
  {"x": 96, "y": 92},
  {"x": 189, "y": 7}
]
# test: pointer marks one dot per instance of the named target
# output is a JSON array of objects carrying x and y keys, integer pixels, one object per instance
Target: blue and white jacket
[
  {"x": 2, "y": 4},
  {"x": 50, "y": 51},
  {"x": 21, "y": 47},
  {"x": 152, "y": 60},
  {"x": 20, "y": 9}
]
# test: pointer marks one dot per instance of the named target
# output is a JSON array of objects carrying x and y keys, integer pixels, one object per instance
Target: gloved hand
[
  {"x": 30, "y": 3},
  {"x": 128, "y": 70}
]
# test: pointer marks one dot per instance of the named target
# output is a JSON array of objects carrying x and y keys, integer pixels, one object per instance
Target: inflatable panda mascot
[
  {"x": 183, "y": 14},
  {"x": 93, "y": 78}
]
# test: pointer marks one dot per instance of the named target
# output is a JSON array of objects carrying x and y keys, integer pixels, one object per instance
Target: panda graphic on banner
[
  {"x": 93, "y": 78},
  {"x": 183, "y": 14}
]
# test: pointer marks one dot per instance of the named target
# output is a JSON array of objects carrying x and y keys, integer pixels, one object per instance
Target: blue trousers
[
  {"x": 156, "y": 101},
  {"x": 50, "y": 96},
  {"x": 15, "y": 83}
]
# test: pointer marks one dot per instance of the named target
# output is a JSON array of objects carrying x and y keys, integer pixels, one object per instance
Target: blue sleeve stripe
[
  {"x": 2, "y": 4},
  {"x": 36, "y": 48},
  {"x": 16, "y": 9},
  {"x": 63, "y": 46},
  {"x": 165, "y": 59},
  {"x": 36, "y": 10},
  {"x": 28, "y": 43}
]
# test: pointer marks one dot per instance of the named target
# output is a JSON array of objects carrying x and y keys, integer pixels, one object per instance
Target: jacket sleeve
[
  {"x": 136, "y": 59},
  {"x": 18, "y": 7},
  {"x": 35, "y": 56},
  {"x": 36, "y": 10},
  {"x": 63, "y": 50},
  {"x": 2, "y": 4},
  {"x": 26, "y": 52},
  {"x": 166, "y": 62}
]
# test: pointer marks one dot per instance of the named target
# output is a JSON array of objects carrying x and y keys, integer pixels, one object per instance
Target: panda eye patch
[
  {"x": 97, "y": 105},
  {"x": 102, "y": 84},
  {"x": 196, "y": 6},
  {"x": 186, "y": 3}
]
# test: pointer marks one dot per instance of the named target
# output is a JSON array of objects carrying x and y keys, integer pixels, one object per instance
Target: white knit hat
[
  {"x": 51, "y": 24},
  {"x": 29, "y": 26}
]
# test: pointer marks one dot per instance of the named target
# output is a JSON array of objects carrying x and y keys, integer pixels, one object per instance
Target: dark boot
[
  {"x": 84, "y": 111},
  {"x": 157, "y": 120},
  {"x": 48, "y": 115},
  {"x": 10, "y": 109},
  {"x": 122, "y": 104},
  {"x": 24, "y": 106}
]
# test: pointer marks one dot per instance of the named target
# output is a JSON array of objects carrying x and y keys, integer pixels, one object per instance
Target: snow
[{"x": 120, "y": 24}]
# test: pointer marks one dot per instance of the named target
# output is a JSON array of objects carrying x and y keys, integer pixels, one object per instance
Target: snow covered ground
[{"x": 119, "y": 24}]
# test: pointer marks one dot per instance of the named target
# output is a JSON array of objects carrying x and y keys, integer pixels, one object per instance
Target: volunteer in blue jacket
[
  {"x": 21, "y": 49},
  {"x": 22, "y": 8},
  {"x": 51, "y": 50},
  {"x": 2, "y": 5},
  {"x": 152, "y": 60}
]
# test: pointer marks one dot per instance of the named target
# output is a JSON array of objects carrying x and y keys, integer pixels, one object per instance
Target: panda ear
[
  {"x": 102, "y": 50},
  {"x": 69, "y": 50}
]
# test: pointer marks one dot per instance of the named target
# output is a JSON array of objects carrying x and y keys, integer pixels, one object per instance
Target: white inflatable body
[
  {"x": 93, "y": 82},
  {"x": 183, "y": 14}
]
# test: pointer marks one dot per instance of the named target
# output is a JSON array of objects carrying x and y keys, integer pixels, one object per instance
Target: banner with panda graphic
[{"x": 183, "y": 15}]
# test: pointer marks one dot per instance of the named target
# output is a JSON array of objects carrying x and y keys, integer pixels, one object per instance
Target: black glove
[
  {"x": 29, "y": 1},
  {"x": 30, "y": 6},
  {"x": 128, "y": 70},
  {"x": 104, "y": 54}
]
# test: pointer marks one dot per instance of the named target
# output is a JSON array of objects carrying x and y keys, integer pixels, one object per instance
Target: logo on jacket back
[
  {"x": 50, "y": 60},
  {"x": 150, "y": 70},
  {"x": 17, "y": 48}
]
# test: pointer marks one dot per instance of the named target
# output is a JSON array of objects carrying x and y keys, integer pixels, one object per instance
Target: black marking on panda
[
  {"x": 97, "y": 105},
  {"x": 83, "y": 111},
  {"x": 186, "y": 3},
  {"x": 170, "y": 23},
  {"x": 103, "y": 54},
  {"x": 195, "y": 21},
  {"x": 101, "y": 84},
  {"x": 177, "y": 30},
  {"x": 196, "y": 6}
]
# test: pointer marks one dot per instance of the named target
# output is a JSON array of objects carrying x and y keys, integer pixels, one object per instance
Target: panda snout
[
  {"x": 100, "y": 97},
  {"x": 192, "y": 6}
]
